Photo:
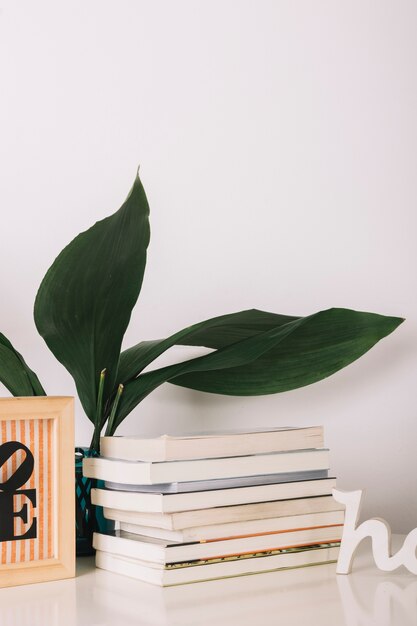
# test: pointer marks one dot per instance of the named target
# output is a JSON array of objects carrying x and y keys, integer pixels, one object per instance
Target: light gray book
[{"x": 222, "y": 483}]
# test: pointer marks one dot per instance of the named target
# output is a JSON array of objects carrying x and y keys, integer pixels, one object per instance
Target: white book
[
  {"x": 224, "y": 514},
  {"x": 173, "y": 502},
  {"x": 160, "y": 551},
  {"x": 236, "y": 529},
  {"x": 143, "y": 473},
  {"x": 211, "y": 445},
  {"x": 166, "y": 577}
]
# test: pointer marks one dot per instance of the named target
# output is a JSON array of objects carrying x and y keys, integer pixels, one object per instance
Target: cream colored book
[
  {"x": 211, "y": 445},
  {"x": 235, "y": 529},
  {"x": 164, "y": 577},
  {"x": 224, "y": 514},
  {"x": 173, "y": 502},
  {"x": 160, "y": 551},
  {"x": 147, "y": 473}
]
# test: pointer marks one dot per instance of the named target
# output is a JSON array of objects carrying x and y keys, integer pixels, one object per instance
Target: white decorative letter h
[{"x": 380, "y": 533}]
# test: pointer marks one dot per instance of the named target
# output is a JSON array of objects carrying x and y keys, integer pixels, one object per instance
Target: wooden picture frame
[{"x": 37, "y": 501}]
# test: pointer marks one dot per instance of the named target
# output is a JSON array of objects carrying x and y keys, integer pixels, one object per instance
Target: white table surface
[{"x": 313, "y": 595}]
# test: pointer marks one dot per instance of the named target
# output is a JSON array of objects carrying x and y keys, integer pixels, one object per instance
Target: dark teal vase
[{"x": 88, "y": 517}]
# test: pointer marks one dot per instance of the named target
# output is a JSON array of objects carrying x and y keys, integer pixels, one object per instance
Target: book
[
  {"x": 224, "y": 514},
  {"x": 167, "y": 576},
  {"x": 148, "y": 473},
  {"x": 236, "y": 529},
  {"x": 160, "y": 551},
  {"x": 174, "y": 502},
  {"x": 221, "y": 483},
  {"x": 211, "y": 445}
]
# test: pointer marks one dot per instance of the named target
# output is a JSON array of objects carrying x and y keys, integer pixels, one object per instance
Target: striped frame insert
[{"x": 38, "y": 436}]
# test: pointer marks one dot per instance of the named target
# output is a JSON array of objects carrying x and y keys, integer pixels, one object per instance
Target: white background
[{"x": 277, "y": 143}]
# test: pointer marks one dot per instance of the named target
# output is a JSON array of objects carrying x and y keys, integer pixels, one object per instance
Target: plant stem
[
  {"x": 95, "y": 441},
  {"x": 110, "y": 423},
  {"x": 99, "y": 408}
]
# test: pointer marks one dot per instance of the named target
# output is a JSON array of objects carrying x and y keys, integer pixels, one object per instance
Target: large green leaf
[
  {"x": 216, "y": 332},
  {"x": 319, "y": 346},
  {"x": 286, "y": 356},
  {"x": 84, "y": 303},
  {"x": 15, "y": 374}
]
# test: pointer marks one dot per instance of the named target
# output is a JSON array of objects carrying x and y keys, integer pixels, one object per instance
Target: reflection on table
[{"x": 312, "y": 595}]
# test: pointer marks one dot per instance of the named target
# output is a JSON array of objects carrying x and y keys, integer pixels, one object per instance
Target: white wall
[{"x": 277, "y": 143}]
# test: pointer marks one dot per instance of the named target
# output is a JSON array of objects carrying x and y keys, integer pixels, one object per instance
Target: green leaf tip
[{"x": 15, "y": 374}]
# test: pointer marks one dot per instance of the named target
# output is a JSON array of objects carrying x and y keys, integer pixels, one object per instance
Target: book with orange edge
[
  {"x": 247, "y": 528},
  {"x": 155, "y": 550}
]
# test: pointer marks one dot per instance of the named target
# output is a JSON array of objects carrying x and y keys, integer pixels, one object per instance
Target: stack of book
[{"x": 207, "y": 506}]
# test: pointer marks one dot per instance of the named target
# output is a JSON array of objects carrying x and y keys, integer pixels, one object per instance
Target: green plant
[{"x": 83, "y": 308}]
